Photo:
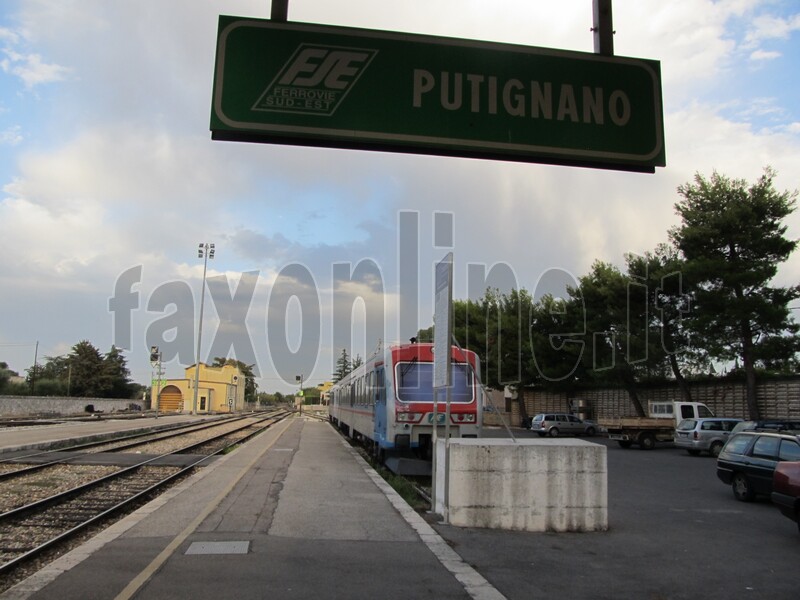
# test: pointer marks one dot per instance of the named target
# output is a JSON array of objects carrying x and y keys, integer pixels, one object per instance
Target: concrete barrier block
[{"x": 529, "y": 485}]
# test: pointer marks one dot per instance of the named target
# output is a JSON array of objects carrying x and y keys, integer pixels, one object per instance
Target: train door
[{"x": 379, "y": 408}]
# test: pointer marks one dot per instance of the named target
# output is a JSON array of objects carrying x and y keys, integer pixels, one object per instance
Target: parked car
[
  {"x": 777, "y": 425},
  {"x": 704, "y": 435},
  {"x": 786, "y": 490},
  {"x": 553, "y": 424},
  {"x": 747, "y": 461}
]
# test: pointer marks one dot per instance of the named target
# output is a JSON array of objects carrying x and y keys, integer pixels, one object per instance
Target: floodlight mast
[{"x": 205, "y": 251}]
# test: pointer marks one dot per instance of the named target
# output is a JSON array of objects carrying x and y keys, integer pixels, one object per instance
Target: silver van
[{"x": 704, "y": 435}]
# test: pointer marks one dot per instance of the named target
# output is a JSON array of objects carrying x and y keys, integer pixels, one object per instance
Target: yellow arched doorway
[{"x": 171, "y": 399}]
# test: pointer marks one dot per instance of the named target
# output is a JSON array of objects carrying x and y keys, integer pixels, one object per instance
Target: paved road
[{"x": 675, "y": 532}]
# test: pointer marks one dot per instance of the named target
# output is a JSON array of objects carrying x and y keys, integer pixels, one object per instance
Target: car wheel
[
  {"x": 647, "y": 442},
  {"x": 590, "y": 431},
  {"x": 553, "y": 432},
  {"x": 742, "y": 489},
  {"x": 694, "y": 452},
  {"x": 715, "y": 449}
]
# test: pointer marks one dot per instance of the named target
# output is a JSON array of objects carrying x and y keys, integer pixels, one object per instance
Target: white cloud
[
  {"x": 764, "y": 55},
  {"x": 31, "y": 69},
  {"x": 765, "y": 27},
  {"x": 11, "y": 136},
  {"x": 7, "y": 35}
]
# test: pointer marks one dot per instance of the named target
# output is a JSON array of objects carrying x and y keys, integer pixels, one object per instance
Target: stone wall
[{"x": 56, "y": 406}]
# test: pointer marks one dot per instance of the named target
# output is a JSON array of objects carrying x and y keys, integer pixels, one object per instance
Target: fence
[{"x": 776, "y": 398}]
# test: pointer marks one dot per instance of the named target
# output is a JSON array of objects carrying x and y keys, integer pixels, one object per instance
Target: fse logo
[{"x": 315, "y": 79}]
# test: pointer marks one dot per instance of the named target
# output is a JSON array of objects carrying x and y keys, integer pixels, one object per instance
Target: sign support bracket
[
  {"x": 602, "y": 28},
  {"x": 280, "y": 11}
]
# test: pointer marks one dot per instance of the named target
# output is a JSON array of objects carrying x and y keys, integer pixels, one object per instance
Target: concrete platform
[
  {"x": 45, "y": 437},
  {"x": 295, "y": 513}
]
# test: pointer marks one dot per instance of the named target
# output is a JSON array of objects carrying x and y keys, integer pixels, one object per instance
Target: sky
[{"x": 109, "y": 180}]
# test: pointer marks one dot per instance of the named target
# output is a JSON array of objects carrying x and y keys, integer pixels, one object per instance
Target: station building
[{"x": 220, "y": 390}]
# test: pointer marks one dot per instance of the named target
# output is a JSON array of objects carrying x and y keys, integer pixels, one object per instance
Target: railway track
[
  {"x": 17, "y": 466},
  {"x": 30, "y": 530}
]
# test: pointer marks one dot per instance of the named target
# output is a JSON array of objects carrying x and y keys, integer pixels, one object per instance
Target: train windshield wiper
[{"x": 407, "y": 367}]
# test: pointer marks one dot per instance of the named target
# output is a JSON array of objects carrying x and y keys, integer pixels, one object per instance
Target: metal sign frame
[{"x": 320, "y": 85}]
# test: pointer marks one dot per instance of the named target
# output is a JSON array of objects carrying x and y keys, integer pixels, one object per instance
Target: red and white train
[{"x": 388, "y": 401}]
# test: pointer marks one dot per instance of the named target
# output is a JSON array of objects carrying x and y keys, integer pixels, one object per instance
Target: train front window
[{"x": 415, "y": 383}]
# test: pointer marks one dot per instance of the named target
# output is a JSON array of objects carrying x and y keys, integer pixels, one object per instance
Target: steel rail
[
  {"x": 133, "y": 439},
  {"x": 85, "y": 445}
]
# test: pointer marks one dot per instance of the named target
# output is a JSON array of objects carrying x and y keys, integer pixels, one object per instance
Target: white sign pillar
[{"x": 442, "y": 334}]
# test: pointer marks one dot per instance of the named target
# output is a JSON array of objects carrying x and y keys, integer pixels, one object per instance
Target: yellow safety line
[{"x": 159, "y": 560}]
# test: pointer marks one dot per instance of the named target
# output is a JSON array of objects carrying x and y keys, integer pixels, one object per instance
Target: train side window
[{"x": 379, "y": 385}]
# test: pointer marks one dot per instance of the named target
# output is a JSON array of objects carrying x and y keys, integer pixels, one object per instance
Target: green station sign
[{"x": 318, "y": 85}]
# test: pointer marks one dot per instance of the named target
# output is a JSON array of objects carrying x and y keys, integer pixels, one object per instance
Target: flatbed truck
[{"x": 658, "y": 426}]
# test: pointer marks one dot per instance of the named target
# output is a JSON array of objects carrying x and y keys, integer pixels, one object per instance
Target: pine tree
[
  {"x": 343, "y": 366},
  {"x": 733, "y": 239}
]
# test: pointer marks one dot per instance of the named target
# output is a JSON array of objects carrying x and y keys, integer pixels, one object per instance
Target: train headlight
[
  {"x": 463, "y": 418},
  {"x": 408, "y": 417}
]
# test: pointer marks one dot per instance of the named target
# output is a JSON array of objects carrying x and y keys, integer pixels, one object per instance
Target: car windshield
[
  {"x": 704, "y": 412},
  {"x": 738, "y": 444},
  {"x": 687, "y": 425},
  {"x": 744, "y": 426}
]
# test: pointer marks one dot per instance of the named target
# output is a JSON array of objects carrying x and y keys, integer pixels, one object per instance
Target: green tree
[
  {"x": 616, "y": 329},
  {"x": 50, "y": 378},
  {"x": 5, "y": 375},
  {"x": 250, "y": 385},
  {"x": 116, "y": 375},
  {"x": 87, "y": 367},
  {"x": 732, "y": 237},
  {"x": 669, "y": 300},
  {"x": 558, "y": 341},
  {"x": 342, "y": 366},
  {"x": 54, "y": 367},
  {"x": 357, "y": 362}
]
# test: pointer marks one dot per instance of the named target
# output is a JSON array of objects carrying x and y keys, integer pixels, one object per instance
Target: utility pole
[
  {"x": 300, "y": 393},
  {"x": 33, "y": 373},
  {"x": 155, "y": 362}
]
